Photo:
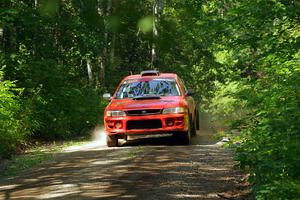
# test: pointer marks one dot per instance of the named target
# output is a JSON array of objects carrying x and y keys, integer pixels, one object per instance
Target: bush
[
  {"x": 56, "y": 105},
  {"x": 11, "y": 132},
  {"x": 269, "y": 137},
  {"x": 228, "y": 104},
  {"x": 283, "y": 189},
  {"x": 66, "y": 113}
]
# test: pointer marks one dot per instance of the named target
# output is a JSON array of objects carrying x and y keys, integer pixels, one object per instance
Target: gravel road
[{"x": 143, "y": 169}]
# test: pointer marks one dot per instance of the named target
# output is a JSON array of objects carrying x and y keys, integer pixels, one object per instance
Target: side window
[{"x": 182, "y": 85}]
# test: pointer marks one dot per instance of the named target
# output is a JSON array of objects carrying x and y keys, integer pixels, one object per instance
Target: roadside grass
[{"x": 34, "y": 156}]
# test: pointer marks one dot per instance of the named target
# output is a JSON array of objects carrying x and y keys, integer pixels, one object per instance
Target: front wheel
[
  {"x": 111, "y": 140},
  {"x": 195, "y": 124},
  {"x": 184, "y": 137}
]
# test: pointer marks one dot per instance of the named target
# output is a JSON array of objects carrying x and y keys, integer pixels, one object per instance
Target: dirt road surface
[{"x": 143, "y": 169}]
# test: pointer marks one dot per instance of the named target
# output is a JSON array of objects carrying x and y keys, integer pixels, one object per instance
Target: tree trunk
[
  {"x": 112, "y": 49},
  {"x": 2, "y": 39},
  {"x": 157, "y": 12},
  {"x": 36, "y": 3},
  {"x": 89, "y": 71},
  {"x": 103, "y": 52}
]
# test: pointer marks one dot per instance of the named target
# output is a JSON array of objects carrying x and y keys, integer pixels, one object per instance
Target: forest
[{"x": 58, "y": 57}]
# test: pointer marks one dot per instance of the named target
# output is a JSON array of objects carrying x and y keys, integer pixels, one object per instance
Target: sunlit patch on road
[
  {"x": 59, "y": 191},
  {"x": 8, "y": 187}
]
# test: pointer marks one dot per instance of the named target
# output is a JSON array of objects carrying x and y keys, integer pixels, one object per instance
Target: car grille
[
  {"x": 143, "y": 112},
  {"x": 143, "y": 124}
]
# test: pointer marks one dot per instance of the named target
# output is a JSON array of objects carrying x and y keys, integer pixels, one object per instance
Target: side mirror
[
  {"x": 106, "y": 96},
  {"x": 190, "y": 92}
]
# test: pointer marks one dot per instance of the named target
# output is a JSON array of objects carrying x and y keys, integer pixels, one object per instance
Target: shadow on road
[
  {"x": 141, "y": 169},
  {"x": 155, "y": 172},
  {"x": 203, "y": 137}
]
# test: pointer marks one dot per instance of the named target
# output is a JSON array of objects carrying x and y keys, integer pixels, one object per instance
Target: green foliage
[
  {"x": 228, "y": 104},
  {"x": 49, "y": 7},
  {"x": 65, "y": 112},
  {"x": 270, "y": 137},
  {"x": 11, "y": 130},
  {"x": 242, "y": 57},
  {"x": 278, "y": 190},
  {"x": 146, "y": 24},
  {"x": 44, "y": 49},
  {"x": 264, "y": 50}
]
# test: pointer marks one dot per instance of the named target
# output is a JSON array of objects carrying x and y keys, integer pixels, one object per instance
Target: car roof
[{"x": 161, "y": 75}]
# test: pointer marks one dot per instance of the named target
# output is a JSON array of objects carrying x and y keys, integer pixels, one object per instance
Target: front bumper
[{"x": 169, "y": 123}]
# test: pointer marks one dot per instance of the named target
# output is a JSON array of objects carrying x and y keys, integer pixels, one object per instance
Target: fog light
[
  {"x": 170, "y": 123},
  {"x": 110, "y": 124},
  {"x": 118, "y": 125}
]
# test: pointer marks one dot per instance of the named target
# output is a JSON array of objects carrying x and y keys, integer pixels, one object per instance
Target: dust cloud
[
  {"x": 98, "y": 135},
  {"x": 98, "y": 141}
]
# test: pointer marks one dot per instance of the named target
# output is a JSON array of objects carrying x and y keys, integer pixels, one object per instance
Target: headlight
[
  {"x": 115, "y": 113},
  {"x": 174, "y": 110}
]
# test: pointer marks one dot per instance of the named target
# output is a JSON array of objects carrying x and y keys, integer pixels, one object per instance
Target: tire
[
  {"x": 111, "y": 141},
  {"x": 194, "y": 126},
  {"x": 197, "y": 120},
  {"x": 184, "y": 137}
]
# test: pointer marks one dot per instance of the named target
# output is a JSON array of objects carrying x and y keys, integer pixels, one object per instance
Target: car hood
[{"x": 129, "y": 104}]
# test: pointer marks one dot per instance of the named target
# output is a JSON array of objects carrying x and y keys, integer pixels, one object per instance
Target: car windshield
[{"x": 149, "y": 87}]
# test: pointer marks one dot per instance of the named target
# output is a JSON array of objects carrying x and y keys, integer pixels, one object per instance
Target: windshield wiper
[{"x": 146, "y": 97}]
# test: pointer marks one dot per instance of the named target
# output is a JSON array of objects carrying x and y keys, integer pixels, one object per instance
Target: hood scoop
[{"x": 146, "y": 97}]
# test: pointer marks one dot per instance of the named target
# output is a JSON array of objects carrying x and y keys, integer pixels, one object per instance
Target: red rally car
[{"x": 150, "y": 103}]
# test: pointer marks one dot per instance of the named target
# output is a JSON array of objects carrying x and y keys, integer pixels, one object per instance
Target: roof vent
[{"x": 150, "y": 73}]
